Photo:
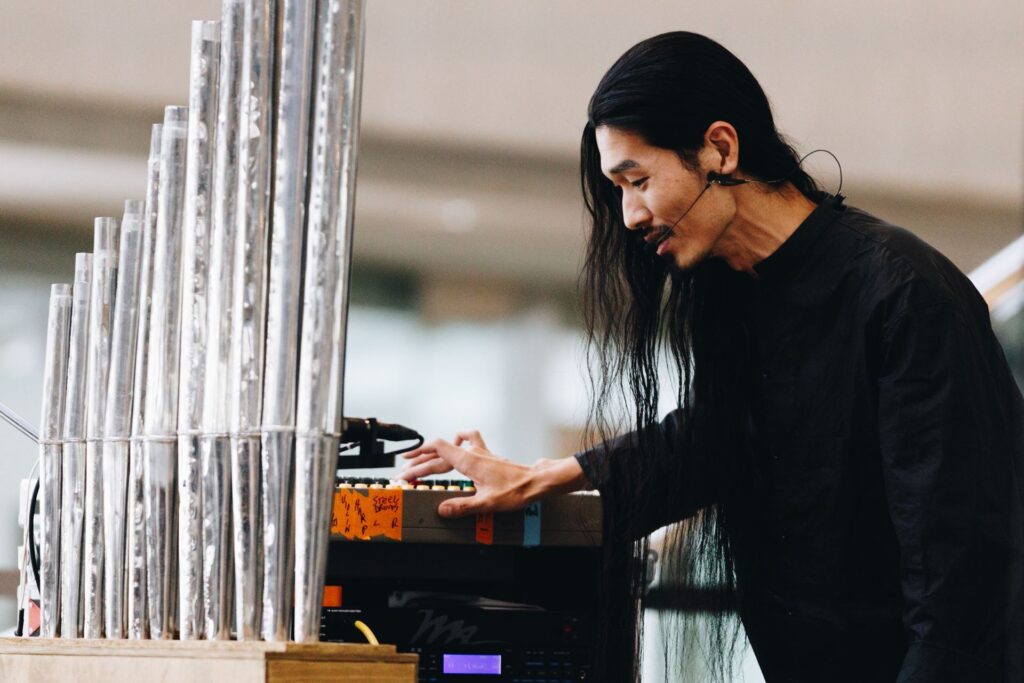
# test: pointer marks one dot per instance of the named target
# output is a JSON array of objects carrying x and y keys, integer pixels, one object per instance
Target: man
[{"x": 849, "y": 443}]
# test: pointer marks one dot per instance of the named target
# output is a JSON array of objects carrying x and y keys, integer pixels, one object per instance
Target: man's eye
[{"x": 639, "y": 183}]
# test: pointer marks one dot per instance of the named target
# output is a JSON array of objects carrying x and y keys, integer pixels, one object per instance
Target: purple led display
[{"x": 486, "y": 665}]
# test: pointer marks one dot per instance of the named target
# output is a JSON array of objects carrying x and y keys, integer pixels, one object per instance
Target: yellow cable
[{"x": 370, "y": 638}]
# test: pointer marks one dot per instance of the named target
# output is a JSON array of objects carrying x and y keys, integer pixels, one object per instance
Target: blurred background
[{"x": 469, "y": 223}]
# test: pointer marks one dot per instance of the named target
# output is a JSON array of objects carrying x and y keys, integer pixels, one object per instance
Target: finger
[
  {"x": 435, "y": 466},
  {"x": 428, "y": 447},
  {"x": 417, "y": 452},
  {"x": 421, "y": 458},
  {"x": 470, "y": 435},
  {"x": 458, "y": 458},
  {"x": 431, "y": 466},
  {"x": 463, "y": 506}
]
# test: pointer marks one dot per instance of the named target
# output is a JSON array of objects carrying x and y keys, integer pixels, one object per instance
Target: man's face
[{"x": 657, "y": 189}]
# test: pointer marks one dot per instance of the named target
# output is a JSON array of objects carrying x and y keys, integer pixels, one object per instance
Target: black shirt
[{"x": 891, "y": 435}]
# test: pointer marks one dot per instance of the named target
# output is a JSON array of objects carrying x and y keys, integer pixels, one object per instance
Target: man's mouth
[
  {"x": 654, "y": 240},
  {"x": 656, "y": 237}
]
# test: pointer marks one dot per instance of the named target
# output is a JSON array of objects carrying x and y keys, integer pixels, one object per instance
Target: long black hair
[{"x": 638, "y": 310}]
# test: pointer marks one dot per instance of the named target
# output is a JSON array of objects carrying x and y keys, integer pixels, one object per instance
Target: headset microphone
[{"x": 724, "y": 180}]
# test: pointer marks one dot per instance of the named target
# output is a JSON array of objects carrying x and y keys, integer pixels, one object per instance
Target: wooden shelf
[{"x": 41, "y": 660}]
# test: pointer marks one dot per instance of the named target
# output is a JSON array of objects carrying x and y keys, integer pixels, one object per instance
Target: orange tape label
[
  {"x": 485, "y": 528},
  {"x": 367, "y": 513}
]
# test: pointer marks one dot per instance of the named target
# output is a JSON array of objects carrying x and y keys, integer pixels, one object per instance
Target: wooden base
[{"x": 42, "y": 660}]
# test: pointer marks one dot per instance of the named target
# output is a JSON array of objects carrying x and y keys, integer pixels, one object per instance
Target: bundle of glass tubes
[{"x": 194, "y": 368}]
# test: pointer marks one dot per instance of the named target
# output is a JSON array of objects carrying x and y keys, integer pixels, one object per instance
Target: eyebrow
[{"x": 623, "y": 166}]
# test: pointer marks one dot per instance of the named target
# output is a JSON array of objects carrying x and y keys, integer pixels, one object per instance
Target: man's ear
[{"x": 723, "y": 142}]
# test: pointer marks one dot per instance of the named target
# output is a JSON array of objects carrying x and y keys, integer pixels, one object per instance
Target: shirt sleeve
[
  {"x": 951, "y": 472},
  {"x": 647, "y": 489}
]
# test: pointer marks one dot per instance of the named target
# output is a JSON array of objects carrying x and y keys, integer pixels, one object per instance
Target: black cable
[
  {"x": 369, "y": 436},
  {"x": 799, "y": 164},
  {"x": 419, "y": 442},
  {"x": 33, "y": 553},
  {"x": 345, "y": 447},
  {"x": 670, "y": 230}
]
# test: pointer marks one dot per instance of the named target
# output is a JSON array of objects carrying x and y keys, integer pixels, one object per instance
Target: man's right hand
[{"x": 501, "y": 485}]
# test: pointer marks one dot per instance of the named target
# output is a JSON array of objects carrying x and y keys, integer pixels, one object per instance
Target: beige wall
[
  {"x": 917, "y": 92},
  {"x": 473, "y": 109}
]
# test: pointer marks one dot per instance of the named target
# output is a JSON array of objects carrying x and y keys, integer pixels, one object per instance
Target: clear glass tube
[
  {"x": 135, "y": 542},
  {"x": 101, "y": 314},
  {"x": 295, "y": 67},
  {"x": 72, "y": 511},
  {"x": 200, "y": 146},
  {"x": 246, "y": 374},
  {"x": 325, "y": 308},
  {"x": 159, "y": 439},
  {"x": 215, "y": 446},
  {"x": 117, "y": 418},
  {"x": 55, "y": 377}
]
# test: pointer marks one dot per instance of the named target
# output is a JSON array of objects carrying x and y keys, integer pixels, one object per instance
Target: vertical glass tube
[
  {"x": 295, "y": 78},
  {"x": 332, "y": 200},
  {"x": 101, "y": 312},
  {"x": 137, "y": 619},
  {"x": 200, "y": 146},
  {"x": 55, "y": 377},
  {"x": 214, "y": 442},
  {"x": 72, "y": 511},
  {"x": 117, "y": 417},
  {"x": 249, "y": 308},
  {"x": 160, "y": 422}
]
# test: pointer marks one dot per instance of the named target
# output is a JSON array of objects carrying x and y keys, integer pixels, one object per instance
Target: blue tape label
[{"x": 531, "y": 525}]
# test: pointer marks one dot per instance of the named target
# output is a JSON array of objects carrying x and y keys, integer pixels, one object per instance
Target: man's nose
[{"x": 634, "y": 213}]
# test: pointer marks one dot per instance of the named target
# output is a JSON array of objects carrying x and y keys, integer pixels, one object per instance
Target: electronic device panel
[
  {"x": 380, "y": 510},
  {"x": 511, "y": 597}
]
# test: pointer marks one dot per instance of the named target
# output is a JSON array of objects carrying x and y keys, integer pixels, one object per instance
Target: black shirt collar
[{"x": 784, "y": 261}]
